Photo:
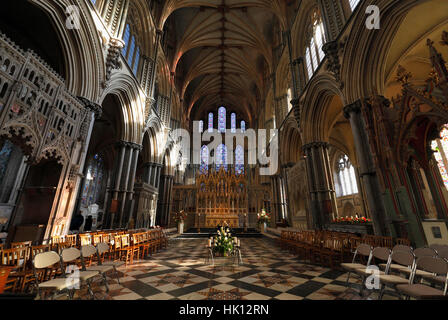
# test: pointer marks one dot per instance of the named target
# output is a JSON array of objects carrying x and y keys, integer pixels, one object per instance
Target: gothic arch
[
  {"x": 127, "y": 91},
  {"x": 367, "y": 51},
  {"x": 85, "y": 69},
  {"x": 316, "y": 117}
]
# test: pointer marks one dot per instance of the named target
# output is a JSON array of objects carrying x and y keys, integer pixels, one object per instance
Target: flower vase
[{"x": 180, "y": 227}]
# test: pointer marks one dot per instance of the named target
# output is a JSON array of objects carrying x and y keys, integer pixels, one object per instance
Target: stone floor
[{"x": 267, "y": 273}]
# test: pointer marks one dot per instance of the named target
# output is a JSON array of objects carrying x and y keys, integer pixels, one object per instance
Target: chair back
[
  {"x": 125, "y": 242},
  {"x": 46, "y": 259},
  {"x": 22, "y": 244},
  {"x": 434, "y": 265},
  {"x": 85, "y": 239},
  {"x": 70, "y": 254},
  {"x": 102, "y": 247},
  {"x": 403, "y": 258},
  {"x": 15, "y": 257},
  {"x": 425, "y": 252},
  {"x": 443, "y": 252},
  {"x": 438, "y": 247},
  {"x": 401, "y": 247},
  {"x": 381, "y": 253},
  {"x": 88, "y": 251},
  {"x": 71, "y": 239},
  {"x": 364, "y": 249}
]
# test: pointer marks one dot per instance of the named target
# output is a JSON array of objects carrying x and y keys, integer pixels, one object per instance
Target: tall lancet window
[
  {"x": 313, "y": 52},
  {"x": 353, "y": 4},
  {"x": 126, "y": 38},
  {"x": 221, "y": 157},
  {"x": 210, "y": 122},
  {"x": 345, "y": 177},
  {"x": 204, "y": 160},
  {"x": 239, "y": 160},
  {"x": 94, "y": 180},
  {"x": 233, "y": 122},
  {"x": 222, "y": 120},
  {"x": 440, "y": 148},
  {"x": 243, "y": 126},
  {"x": 201, "y": 126}
]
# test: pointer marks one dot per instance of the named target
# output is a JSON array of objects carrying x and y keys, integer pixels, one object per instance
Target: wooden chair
[
  {"x": 22, "y": 244},
  {"x": 71, "y": 239},
  {"x": 127, "y": 250},
  {"x": 163, "y": 239},
  {"x": 18, "y": 258},
  {"x": 144, "y": 244},
  {"x": 85, "y": 239}
]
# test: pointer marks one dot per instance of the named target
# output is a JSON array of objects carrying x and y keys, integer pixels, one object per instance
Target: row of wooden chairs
[
  {"x": 122, "y": 246},
  {"x": 329, "y": 248},
  {"x": 416, "y": 273}
]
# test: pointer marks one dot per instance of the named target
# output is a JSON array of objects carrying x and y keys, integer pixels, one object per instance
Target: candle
[
  {"x": 239, "y": 243},
  {"x": 209, "y": 242},
  {"x": 236, "y": 240}
]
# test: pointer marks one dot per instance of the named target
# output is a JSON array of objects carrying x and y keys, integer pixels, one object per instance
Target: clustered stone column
[
  {"x": 320, "y": 184},
  {"x": 151, "y": 174},
  {"x": 276, "y": 198},
  {"x": 164, "y": 206},
  {"x": 124, "y": 180},
  {"x": 367, "y": 169}
]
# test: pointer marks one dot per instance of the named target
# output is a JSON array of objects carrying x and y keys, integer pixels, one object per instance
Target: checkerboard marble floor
[{"x": 267, "y": 273}]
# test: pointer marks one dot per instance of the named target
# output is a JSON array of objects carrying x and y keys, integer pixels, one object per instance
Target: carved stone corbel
[
  {"x": 332, "y": 50},
  {"x": 113, "y": 58}
]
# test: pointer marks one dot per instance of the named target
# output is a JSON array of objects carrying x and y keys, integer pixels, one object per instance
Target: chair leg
[
  {"x": 105, "y": 281},
  {"x": 380, "y": 296},
  {"x": 89, "y": 288},
  {"x": 116, "y": 273}
]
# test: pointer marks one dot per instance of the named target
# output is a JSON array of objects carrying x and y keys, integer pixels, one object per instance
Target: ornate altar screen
[{"x": 221, "y": 198}]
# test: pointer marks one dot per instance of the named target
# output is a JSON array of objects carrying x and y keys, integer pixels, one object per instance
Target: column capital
[
  {"x": 355, "y": 107},
  {"x": 92, "y": 106},
  {"x": 316, "y": 144}
]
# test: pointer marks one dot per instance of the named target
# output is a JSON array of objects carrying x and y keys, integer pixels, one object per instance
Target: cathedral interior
[{"x": 115, "y": 114}]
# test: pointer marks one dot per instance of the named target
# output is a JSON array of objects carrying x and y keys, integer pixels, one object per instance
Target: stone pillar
[
  {"x": 299, "y": 66},
  {"x": 320, "y": 184},
  {"x": 367, "y": 169},
  {"x": 126, "y": 171},
  {"x": 130, "y": 188},
  {"x": 118, "y": 169}
]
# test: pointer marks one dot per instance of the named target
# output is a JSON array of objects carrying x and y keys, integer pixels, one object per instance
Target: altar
[{"x": 221, "y": 199}]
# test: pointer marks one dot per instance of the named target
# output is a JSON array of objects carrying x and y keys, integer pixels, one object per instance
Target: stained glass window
[
  {"x": 93, "y": 181},
  {"x": 204, "y": 160},
  {"x": 5, "y": 155},
  {"x": 131, "y": 51},
  {"x": 136, "y": 61},
  {"x": 222, "y": 120},
  {"x": 243, "y": 126},
  {"x": 440, "y": 148},
  {"x": 126, "y": 37},
  {"x": 233, "y": 122},
  {"x": 201, "y": 126},
  {"x": 239, "y": 160},
  {"x": 210, "y": 122},
  {"x": 221, "y": 157},
  {"x": 345, "y": 177}
]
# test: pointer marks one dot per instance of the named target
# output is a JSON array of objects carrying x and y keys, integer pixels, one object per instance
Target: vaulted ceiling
[{"x": 224, "y": 52}]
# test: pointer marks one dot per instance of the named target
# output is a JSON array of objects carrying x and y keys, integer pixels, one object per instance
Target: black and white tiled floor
[{"x": 267, "y": 273}]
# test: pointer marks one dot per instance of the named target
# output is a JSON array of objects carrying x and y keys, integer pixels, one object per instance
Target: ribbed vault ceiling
[{"x": 223, "y": 53}]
